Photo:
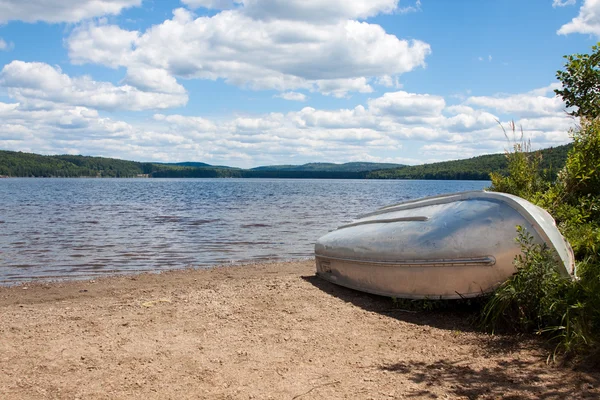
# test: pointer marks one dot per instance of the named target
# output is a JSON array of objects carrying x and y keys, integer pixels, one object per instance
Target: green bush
[
  {"x": 533, "y": 298},
  {"x": 536, "y": 298}
]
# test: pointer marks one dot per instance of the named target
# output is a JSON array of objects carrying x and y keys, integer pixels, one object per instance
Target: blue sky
[{"x": 256, "y": 82}]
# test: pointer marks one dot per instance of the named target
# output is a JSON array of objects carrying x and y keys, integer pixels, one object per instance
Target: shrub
[
  {"x": 533, "y": 298},
  {"x": 536, "y": 298}
]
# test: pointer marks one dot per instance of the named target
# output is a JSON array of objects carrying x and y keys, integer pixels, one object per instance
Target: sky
[{"x": 247, "y": 83}]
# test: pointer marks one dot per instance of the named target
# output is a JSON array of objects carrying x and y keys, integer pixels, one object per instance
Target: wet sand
[{"x": 266, "y": 331}]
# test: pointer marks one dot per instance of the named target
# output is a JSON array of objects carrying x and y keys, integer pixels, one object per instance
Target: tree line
[{"x": 18, "y": 164}]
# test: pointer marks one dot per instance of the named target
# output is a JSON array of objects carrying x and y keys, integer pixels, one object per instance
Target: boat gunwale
[{"x": 486, "y": 261}]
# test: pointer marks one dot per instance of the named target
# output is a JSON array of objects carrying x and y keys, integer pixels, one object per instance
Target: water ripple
[{"x": 83, "y": 228}]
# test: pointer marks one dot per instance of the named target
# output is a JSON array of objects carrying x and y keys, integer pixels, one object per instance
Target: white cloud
[
  {"x": 309, "y": 117},
  {"x": 545, "y": 90},
  {"x": 248, "y": 125},
  {"x": 405, "y": 104},
  {"x": 340, "y": 87},
  {"x": 587, "y": 22},
  {"x": 306, "y": 10},
  {"x": 379, "y": 130},
  {"x": 60, "y": 11},
  {"x": 292, "y": 96},
  {"x": 190, "y": 123},
  {"x": 563, "y": 3},
  {"x": 409, "y": 9},
  {"x": 102, "y": 44},
  {"x": 388, "y": 81},
  {"x": 211, "y": 4},
  {"x": 336, "y": 57},
  {"x": 468, "y": 120},
  {"x": 4, "y": 46},
  {"x": 448, "y": 149},
  {"x": 54, "y": 129},
  {"x": 153, "y": 80},
  {"x": 521, "y": 105},
  {"x": 40, "y": 82}
]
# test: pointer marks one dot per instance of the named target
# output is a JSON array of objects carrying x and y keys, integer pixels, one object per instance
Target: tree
[{"x": 581, "y": 83}]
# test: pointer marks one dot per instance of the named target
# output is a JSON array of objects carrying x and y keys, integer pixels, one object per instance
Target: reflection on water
[{"x": 80, "y": 228}]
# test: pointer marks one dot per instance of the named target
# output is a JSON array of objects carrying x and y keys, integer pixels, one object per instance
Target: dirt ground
[{"x": 268, "y": 331}]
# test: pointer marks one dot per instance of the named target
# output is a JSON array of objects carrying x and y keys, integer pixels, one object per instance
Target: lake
[{"x": 84, "y": 228}]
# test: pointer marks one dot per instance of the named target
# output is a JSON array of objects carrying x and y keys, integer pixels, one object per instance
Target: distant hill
[
  {"x": 28, "y": 164},
  {"x": 476, "y": 168},
  {"x": 18, "y": 164},
  {"x": 190, "y": 164},
  {"x": 347, "y": 167}
]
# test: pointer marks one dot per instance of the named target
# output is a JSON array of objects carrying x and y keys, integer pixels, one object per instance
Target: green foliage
[
  {"x": 34, "y": 165},
  {"x": 19, "y": 164},
  {"x": 581, "y": 83},
  {"x": 524, "y": 178},
  {"x": 476, "y": 168},
  {"x": 536, "y": 298},
  {"x": 533, "y": 298},
  {"x": 581, "y": 175}
]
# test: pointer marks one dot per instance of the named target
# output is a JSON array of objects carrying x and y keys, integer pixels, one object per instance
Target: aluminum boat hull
[{"x": 444, "y": 247}]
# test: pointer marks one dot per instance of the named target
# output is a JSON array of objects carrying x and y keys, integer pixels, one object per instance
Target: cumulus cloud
[
  {"x": 309, "y": 117},
  {"x": 546, "y": 90},
  {"x": 41, "y": 82},
  {"x": 211, "y": 4},
  {"x": 60, "y": 11},
  {"x": 58, "y": 128},
  {"x": 337, "y": 56},
  {"x": 190, "y": 123},
  {"x": 315, "y": 10},
  {"x": 388, "y": 81},
  {"x": 587, "y": 22},
  {"x": 340, "y": 87},
  {"x": 376, "y": 131},
  {"x": 102, "y": 44},
  {"x": 521, "y": 105},
  {"x": 292, "y": 96},
  {"x": 407, "y": 104}
]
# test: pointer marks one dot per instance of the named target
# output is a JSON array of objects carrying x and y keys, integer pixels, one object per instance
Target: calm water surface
[{"x": 81, "y": 228}]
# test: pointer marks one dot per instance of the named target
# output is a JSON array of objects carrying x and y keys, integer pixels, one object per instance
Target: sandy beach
[{"x": 265, "y": 331}]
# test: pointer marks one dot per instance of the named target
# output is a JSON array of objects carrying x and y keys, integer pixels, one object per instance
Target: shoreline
[
  {"x": 57, "y": 280},
  {"x": 264, "y": 330}
]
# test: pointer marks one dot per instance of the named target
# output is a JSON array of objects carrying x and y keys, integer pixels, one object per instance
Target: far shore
[{"x": 263, "y": 331}]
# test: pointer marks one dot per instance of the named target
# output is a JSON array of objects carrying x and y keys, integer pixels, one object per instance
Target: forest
[
  {"x": 18, "y": 164},
  {"x": 476, "y": 168}
]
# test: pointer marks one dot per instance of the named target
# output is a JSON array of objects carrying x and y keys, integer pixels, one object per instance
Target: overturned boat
[{"x": 450, "y": 246}]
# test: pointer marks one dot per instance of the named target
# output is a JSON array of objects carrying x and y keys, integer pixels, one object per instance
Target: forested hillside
[
  {"x": 17, "y": 164},
  {"x": 475, "y": 168},
  {"x": 34, "y": 165}
]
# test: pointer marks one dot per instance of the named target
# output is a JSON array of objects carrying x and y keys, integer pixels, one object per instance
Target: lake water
[{"x": 83, "y": 228}]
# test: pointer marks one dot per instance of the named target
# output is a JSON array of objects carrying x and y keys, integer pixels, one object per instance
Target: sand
[{"x": 268, "y": 331}]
